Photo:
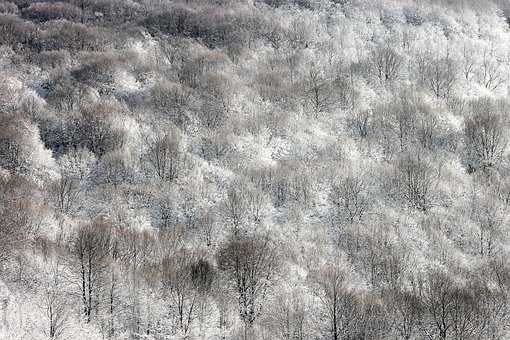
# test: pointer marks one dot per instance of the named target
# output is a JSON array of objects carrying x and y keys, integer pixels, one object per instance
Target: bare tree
[
  {"x": 490, "y": 72},
  {"x": 452, "y": 310},
  {"x": 374, "y": 252},
  {"x": 216, "y": 103},
  {"x": 469, "y": 61},
  {"x": 52, "y": 11},
  {"x": 250, "y": 264},
  {"x": 289, "y": 318},
  {"x": 427, "y": 129},
  {"x": 54, "y": 303},
  {"x": 490, "y": 217},
  {"x": 385, "y": 62},
  {"x": 339, "y": 302},
  {"x": 495, "y": 302},
  {"x": 350, "y": 198},
  {"x": 65, "y": 192},
  {"x": 235, "y": 206},
  {"x": 114, "y": 169},
  {"x": 361, "y": 122},
  {"x": 404, "y": 120},
  {"x": 167, "y": 205},
  {"x": 11, "y": 132},
  {"x": 90, "y": 258},
  {"x": 213, "y": 112},
  {"x": 319, "y": 91},
  {"x": 19, "y": 216},
  {"x": 164, "y": 154},
  {"x": 77, "y": 165},
  {"x": 468, "y": 316},
  {"x": 400, "y": 120},
  {"x": 113, "y": 299},
  {"x": 185, "y": 277},
  {"x": 95, "y": 130},
  {"x": 256, "y": 200},
  {"x": 436, "y": 294},
  {"x": 414, "y": 179},
  {"x": 406, "y": 310},
  {"x": 484, "y": 134},
  {"x": 373, "y": 323},
  {"x": 216, "y": 145},
  {"x": 438, "y": 75},
  {"x": 173, "y": 101},
  {"x": 4, "y": 304},
  {"x": 136, "y": 251},
  {"x": 290, "y": 182},
  {"x": 206, "y": 225}
]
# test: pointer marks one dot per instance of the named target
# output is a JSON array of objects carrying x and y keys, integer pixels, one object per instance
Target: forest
[{"x": 254, "y": 169}]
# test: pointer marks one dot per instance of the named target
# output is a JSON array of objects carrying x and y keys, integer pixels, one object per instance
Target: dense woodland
[{"x": 254, "y": 169}]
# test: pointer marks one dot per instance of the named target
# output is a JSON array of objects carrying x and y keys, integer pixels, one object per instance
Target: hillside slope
[{"x": 238, "y": 169}]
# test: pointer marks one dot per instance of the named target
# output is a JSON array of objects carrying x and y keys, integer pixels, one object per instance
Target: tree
[
  {"x": 484, "y": 134},
  {"x": 404, "y": 119},
  {"x": 137, "y": 252},
  {"x": 164, "y": 154},
  {"x": 319, "y": 90},
  {"x": 11, "y": 89},
  {"x": 54, "y": 304},
  {"x": 45, "y": 11},
  {"x": 213, "y": 111},
  {"x": 173, "y": 101},
  {"x": 167, "y": 207},
  {"x": 98, "y": 72},
  {"x": 16, "y": 32},
  {"x": 452, "y": 310},
  {"x": 65, "y": 192},
  {"x": 4, "y": 299},
  {"x": 95, "y": 128},
  {"x": 385, "y": 62},
  {"x": 350, "y": 199},
  {"x": 235, "y": 206},
  {"x": 341, "y": 304},
  {"x": 18, "y": 214},
  {"x": 373, "y": 323},
  {"x": 361, "y": 122},
  {"x": 11, "y": 157},
  {"x": 185, "y": 277},
  {"x": 112, "y": 298},
  {"x": 406, "y": 311},
  {"x": 489, "y": 215},
  {"x": 90, "y": 258},
  {"x": 400, "y": 120},
  {"x": 64, "y": 93},
  {"x": 250, "y": 265},
  {"x": 469, "y": 61},
  {"x": 436, "y": 294},
  {"x": 438, "y": 74},
  {"x": 407, "y": 118},
  {"x": 66, "y": 35},
  {"x": 495, "y": 302},
  {"x": 206, "y": 224},
  {"x": 78, "y": 165},
  {"x": 114, "y": 169},
  {"x": 255, "y": 203},
  {"x": 490, "y": 72},
  {"x": 216, "y": 145},
  {"x": 468, "y": 315},
  {"x": 427, "y": 129},
  {"x": 291, "y": 182},
  {"x": 289, "y": 317},
  {"x": 414, "y": 179},
  {"x": 8, "y": 8}
]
